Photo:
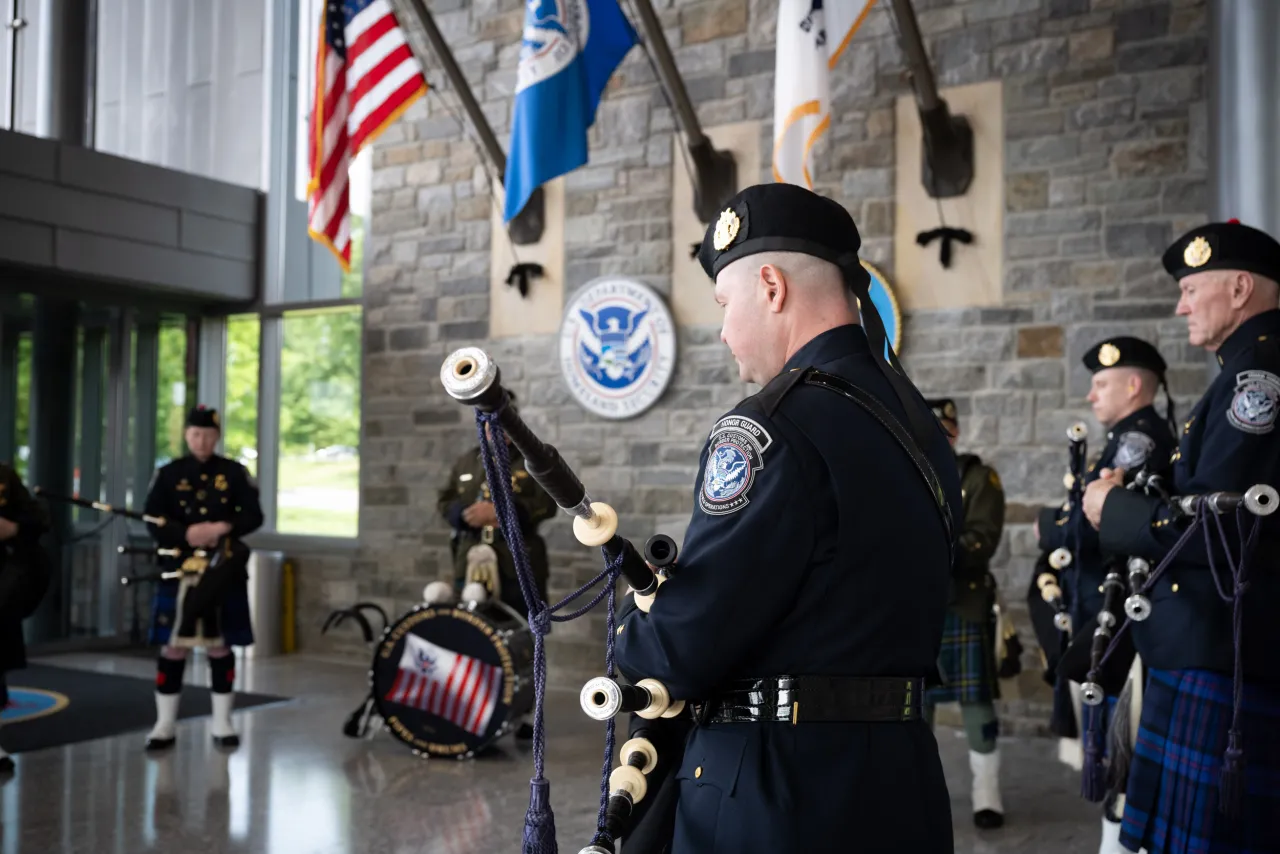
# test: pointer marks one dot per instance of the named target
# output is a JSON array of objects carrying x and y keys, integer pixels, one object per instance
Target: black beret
[
  {"x": 1124, "y": 352},
  {"x": 203, "y": 416},
  {"x": 784, "y": 218},
  {"x": 1224, "y": 246},
  {"x": 944, "y": 408}
]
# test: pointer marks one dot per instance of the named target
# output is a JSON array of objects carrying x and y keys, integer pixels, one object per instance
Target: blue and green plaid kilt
[
  {"x": 967, "y": 660},
  {"x": 234, "y": 622},
  {"x": 1171, "y": 806}
]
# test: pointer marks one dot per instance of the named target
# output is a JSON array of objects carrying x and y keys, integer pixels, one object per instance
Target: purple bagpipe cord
[{"x": 539, "y": 820}]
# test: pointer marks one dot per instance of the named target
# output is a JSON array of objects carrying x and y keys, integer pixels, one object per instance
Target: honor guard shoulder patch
[
  {"x": 736, "y": 454},
  {"x": 1253, "y": 409},
  {"x": 1133, "y": 450}
]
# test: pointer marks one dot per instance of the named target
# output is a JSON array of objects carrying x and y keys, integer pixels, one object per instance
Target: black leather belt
[{"x": 796, "y": 699}]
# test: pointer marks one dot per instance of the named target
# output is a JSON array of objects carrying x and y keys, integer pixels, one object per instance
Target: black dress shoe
[
  {"x": 227, "y": 741},
  {"x": 6, "y": 765},
  {"x": 525, "y": 732},
  {"x": 157, "y": 744},
  {"x": 988, "y": 819}
]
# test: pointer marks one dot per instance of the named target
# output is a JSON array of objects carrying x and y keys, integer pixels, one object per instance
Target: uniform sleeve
[
  {"x": 748, "y": 542},
  {"x": 173, "y": 534},
  {"x": 1238, "y": 449},
  {"x": 983, "y": 519},
  {"x": 1053, "y": 528},
  {"x": 448, "y": 505},
  {"x": 533, "y": 504},
  {"x": 245, "y": 498},
  {"x": 22, "y": 509}
]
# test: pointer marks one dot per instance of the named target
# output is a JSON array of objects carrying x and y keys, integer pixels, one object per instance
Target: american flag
[
  {"x": 458, "y": 688},
  {"x": 366, "y": 76}
]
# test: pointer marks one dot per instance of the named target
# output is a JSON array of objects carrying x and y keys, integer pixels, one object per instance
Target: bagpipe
[
  {"x": 1126, "y": 601},
  {"x": 472, "y": 378},
  {"x": 1046, "y": 601},
  {"x": 210, "y": 571}
]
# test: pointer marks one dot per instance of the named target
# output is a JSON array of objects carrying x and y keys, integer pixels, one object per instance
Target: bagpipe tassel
[
  {"x": 1231, "y": 783},
  {"x": 539, "y": 821},
  {"x": 1093, "y": 777}
]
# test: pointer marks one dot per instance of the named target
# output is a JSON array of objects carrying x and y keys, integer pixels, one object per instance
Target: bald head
[{"x": 776, "y": 302}]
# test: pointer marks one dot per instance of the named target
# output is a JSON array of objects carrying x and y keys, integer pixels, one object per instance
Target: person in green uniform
[
  {"x": 968, "y": 657},
  {"x": 480, "y": 551}
]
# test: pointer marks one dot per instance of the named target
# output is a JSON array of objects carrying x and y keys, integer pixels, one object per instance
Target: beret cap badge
[
  {"x": 726, "y": 230},
  {"x": 1108, "y": 354},
  {"x": 1197, "y": 253}
]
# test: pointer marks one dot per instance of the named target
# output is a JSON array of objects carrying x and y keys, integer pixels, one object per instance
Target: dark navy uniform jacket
[
  {"x": 815, "y": 547},
  {"x": 1229, "y": 442},
  {"x": 186, "y": 492},
  {"x": 1138, "y": 441}
]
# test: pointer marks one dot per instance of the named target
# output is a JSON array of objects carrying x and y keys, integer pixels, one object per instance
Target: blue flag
[{"x": 569, "y": 51}]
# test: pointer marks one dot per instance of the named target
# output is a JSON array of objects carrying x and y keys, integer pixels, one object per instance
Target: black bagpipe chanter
[
  {"x": 638, "y": 796},
  {"x": 1046, "y": 602}
]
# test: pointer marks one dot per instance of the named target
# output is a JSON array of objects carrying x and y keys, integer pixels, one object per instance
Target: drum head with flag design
[{"x": 444, "y": 681}]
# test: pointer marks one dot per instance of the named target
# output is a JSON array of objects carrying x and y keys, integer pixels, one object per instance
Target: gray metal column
[
  {"x": 119, "y": 355},
  {"x": 64, "y": 69},
  {"x": 145, "y": 382},
  {"x": 89, "y": 459},
  {"x": 52, "y": 438},
  {"x": 1244, "y": 112},
  {"x": 269, "y": 367}
]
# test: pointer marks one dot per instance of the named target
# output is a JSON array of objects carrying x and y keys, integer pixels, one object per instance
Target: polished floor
[{"x": 298, "y": 786}]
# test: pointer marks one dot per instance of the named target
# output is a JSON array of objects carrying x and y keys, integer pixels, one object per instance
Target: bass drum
[{"x": 451, "y": 680}]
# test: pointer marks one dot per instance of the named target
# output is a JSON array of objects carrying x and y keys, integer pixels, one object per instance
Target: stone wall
[{"x": 1105, "y": 164}]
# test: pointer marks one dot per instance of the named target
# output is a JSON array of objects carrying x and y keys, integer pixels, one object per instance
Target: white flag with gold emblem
[{"x": 812, "y": 35}]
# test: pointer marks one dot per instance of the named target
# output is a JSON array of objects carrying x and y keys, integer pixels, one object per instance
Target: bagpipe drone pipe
[
  {"x": 1046, "y": 597},
  {"x": 211, "y": 570},
  {"x": 472, "y": 378},
  {"x": 1126, "y": 601}
]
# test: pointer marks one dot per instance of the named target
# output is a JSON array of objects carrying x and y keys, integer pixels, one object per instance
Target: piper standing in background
[
  {"x": 1126, "y": 373},
  {"x": 1205, "y": 769},
  {"x": 208, "y": 502},
  {"x": 968, "y": 656},
  {"x": 23, "y": 577},
  {"x": 806, "y": 612}
]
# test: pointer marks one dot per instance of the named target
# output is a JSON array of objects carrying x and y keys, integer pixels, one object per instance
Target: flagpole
[
  {"x": 526, "y": 227},
  {"x": 716, "y": 173}
]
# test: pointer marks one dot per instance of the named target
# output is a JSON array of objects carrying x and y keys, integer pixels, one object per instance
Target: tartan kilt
[
  {"x": 967, "y": 660},
  {"x": 1171, "y": 806},
  {"x": 235, "y": 625}
]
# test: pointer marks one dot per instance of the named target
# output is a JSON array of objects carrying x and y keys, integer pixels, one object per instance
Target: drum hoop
[{"x": 507, "y": 662}]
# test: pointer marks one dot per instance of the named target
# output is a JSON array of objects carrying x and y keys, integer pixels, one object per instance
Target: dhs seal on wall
[{"x": 617, "y": 347}]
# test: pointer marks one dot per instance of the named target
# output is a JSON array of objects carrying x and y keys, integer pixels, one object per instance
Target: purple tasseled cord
[
  {"x": 539, "y": 834},
  {"x": 1231, "y": 784}
]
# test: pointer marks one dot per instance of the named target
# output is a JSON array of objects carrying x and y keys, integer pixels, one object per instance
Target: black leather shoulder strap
[{"x": 867, "y": 401}]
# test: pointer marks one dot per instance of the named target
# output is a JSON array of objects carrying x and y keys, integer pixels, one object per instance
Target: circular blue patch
[
  {"x": 886, "y": 304},
  {"x": 728, "y": 473},
  {"x": 28, "y": 703}
]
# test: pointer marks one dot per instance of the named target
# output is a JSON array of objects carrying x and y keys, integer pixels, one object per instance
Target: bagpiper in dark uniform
[
  {"x": 806, "y": 609},
  {"x": 23, "y": 577},
  {"x": 1187, "y": 740},
  {"x": 1127, "y": 373},
  {"x": 968, "y": 658},
  {"x": 209, "y": 503}
]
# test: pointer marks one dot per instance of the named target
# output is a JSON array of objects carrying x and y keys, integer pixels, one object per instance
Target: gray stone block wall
[{"x": 1105, "y": 163}]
